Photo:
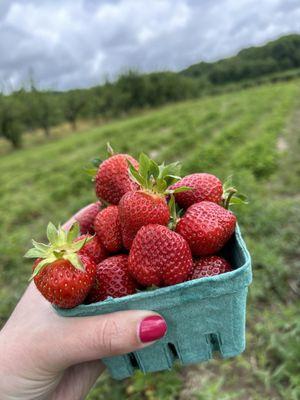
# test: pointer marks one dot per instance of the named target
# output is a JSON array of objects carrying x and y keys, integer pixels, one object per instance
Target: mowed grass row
[{"x": 235, "y": 133}]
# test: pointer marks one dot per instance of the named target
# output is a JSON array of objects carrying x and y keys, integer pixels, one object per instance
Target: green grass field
[{"x": 253, "y": 134}]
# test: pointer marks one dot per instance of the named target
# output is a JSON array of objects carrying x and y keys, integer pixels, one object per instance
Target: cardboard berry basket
[{"x": 204, "y": 316}]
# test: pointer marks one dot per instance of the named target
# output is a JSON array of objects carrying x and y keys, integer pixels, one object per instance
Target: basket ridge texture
[{"x": 204, "y": 316}]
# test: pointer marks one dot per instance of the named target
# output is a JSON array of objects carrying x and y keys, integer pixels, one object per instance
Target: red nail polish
[{"x": 152, "y": 328}]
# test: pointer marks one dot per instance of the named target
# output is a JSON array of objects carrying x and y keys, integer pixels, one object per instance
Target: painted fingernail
[{"x": 152, "y": 328}]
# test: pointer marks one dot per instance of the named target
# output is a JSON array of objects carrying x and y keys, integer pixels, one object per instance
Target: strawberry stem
[
  {"x": 231, "y": 196},
  {"x": 173, "y": 213},
  {"x": 109, "y": 149},
  {"x": 230, "y": 192}
]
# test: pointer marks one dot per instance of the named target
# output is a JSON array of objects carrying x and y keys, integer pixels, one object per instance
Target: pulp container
[{"x": 204, "y": 316}]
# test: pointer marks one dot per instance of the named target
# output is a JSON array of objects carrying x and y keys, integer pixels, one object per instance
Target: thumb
[{"x": 92, "y": 338}]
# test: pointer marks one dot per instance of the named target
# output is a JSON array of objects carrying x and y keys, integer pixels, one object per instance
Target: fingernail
[{"x": 152, "y": 328}]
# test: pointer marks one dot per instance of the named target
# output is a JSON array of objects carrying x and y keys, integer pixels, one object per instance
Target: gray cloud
[{"x": 69, "y": 43}]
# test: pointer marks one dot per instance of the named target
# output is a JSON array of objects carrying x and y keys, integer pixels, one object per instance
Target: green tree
[
  {"x": 43, "y": 108},
  {"x": 107, "y": 100},
  {"x": 133, "y": 87},
  {"x": 74, "y": 102},
  {"x": 10, "y": 125}
]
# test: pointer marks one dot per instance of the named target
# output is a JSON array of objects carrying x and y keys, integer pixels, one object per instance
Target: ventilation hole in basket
[
  {"x": 173, "y": 350},
  {"x": 133, "y": 361},
  {"x": 214, "y": 342}
]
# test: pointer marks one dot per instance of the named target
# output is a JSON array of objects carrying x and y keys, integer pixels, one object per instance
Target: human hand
[{"x": 48, "y": 357}]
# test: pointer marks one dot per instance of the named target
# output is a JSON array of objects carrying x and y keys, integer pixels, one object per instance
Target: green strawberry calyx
[
  {"x": 92, "y": 168},
  {"x": 156, "y": 179},
  {"x": 62, "y": 245},
  {"x": 231, "y": 196}
]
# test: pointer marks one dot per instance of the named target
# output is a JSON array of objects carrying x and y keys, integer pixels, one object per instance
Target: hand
[{"x": 48, "y": 357}]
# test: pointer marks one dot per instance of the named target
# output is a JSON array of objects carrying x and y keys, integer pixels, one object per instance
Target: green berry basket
[{"x": 204, "y": 316}]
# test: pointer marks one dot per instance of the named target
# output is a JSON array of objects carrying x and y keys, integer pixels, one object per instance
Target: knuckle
[{"x": 109, "y": 336}]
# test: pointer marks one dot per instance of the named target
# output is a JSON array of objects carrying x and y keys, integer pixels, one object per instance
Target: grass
[{"x": 252, "y": 134}]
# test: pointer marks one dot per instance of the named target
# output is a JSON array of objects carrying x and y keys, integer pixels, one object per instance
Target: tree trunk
[
  {"x": 74, "y": 124},
  {"x": 47, "y": 131},
  {"x": 16, "y": 144}
]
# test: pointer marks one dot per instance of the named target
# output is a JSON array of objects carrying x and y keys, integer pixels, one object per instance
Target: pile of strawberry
[{"x": 150, "y": 228}]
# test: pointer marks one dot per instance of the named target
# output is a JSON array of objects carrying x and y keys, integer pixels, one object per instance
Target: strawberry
[
  {"x": 147, "y": 205},
  {"x": 112, "y": 279},
  {"x": 86, "y": 217},
  {"x": 108, "y": 229},
  {"x": 206, "y": 226},
  {"x": 209, "y": 266},
  {"x": 112, "y": 180},
  {"x": 138, "y": 209},
  {"x": 62, "y": 275},
  {"x": 159, "y": 257},
  {"x": 93, "y": 248},
  {"x": 205, "y": 187}
]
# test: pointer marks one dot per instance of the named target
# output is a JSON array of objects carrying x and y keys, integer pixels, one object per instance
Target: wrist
[{"x": 7, "y": 377}]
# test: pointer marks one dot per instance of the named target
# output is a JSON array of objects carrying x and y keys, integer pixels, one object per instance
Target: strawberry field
[{"x": 253, "y": 135}]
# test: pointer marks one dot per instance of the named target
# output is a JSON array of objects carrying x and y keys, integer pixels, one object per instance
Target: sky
[{"x": 66, "y": 44}]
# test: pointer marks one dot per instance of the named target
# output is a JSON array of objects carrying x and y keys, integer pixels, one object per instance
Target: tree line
[
  {"x": 276, "y": 56},
  {"x": 31, "y": 109}
]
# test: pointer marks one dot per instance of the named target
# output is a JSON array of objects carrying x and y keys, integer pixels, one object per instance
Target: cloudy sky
[{"x": 77, "y": 43}]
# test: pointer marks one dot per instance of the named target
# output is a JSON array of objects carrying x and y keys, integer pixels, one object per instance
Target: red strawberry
[
  {"x": 209, "y": 266},
  {"x": 147, "y": 205},
  {"x": 206, "y": 227},
  {"x": 63, "y": 285},
  {"x": 62, "y": 275},
  {"x": 160, "y": 257},
  {"x": 205, "y": 187},
  {"x": 93, "y": 248},
  {"x": 86, "y": 217},
  {"x": 112, "y": 279},
  {"x": 108, "y": 228},
  {"x": 112, "y": 180},
  {"x": 139, "y": 208}
]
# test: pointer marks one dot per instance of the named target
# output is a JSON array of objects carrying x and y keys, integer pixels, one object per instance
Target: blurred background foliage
[
  {"x": 29, "y": 108},
  {"x": 240, "y": 117}
]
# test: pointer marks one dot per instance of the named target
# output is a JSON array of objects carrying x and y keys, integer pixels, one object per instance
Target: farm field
[{"x": 252, "y": 134}]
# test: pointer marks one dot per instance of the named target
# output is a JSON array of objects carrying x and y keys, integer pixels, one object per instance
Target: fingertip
[{"x": 152, "y": 328}]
